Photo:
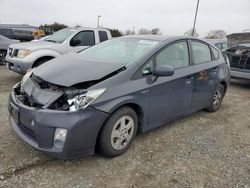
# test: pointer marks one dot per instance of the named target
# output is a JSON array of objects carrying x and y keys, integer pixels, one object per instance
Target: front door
[
  {"x": 82, "y": 40},
  {"x": 170, "y": 97}
]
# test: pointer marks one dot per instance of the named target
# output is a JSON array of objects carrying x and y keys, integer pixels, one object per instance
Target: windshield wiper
[{"x": 51, "y": 41}]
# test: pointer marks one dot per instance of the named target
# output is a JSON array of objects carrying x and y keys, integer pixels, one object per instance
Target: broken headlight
[
  {"x": 84, "y": 100},
  {"x": 25, "y": 77}
]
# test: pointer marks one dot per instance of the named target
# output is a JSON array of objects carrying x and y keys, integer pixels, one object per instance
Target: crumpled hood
[
  {"x": 238, "y": 38},
  {"x": 71, "y": 69},
  {"x": 35, "y": 45}
]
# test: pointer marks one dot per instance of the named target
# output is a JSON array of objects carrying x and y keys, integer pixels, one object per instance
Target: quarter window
[
  {"x": 85, "y": 38},
  {"x": 201, "y": 53},
  {"x": 103, "y": 35},
  {"x": 215, "y": 52},
  {"x": 218, "y": 46},
  {"x": 175, "y": 56}
]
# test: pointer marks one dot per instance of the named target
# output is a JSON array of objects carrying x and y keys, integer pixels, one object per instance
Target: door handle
[{"x": 189, "y": 79}]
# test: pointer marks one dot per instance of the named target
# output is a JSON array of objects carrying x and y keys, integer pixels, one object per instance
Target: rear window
[
  {"x": 201, "y": 52},
  {"x": 103, "y": 36}
]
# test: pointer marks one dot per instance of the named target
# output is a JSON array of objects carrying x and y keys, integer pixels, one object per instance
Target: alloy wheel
[
  {"x": 217, "y": 97},
  {"x": 122, "y": 132}
]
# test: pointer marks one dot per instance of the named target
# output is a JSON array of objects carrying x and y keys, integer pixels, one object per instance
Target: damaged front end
[{"x": 35, "y": 92}]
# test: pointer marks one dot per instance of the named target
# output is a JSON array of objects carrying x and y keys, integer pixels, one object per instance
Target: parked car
[
  {"x": 21, "y": 34},
  {"x": 219, "y": 43},
  {"x": 239, "y": 54},
  {"x": 98, "y": 99},
  {"x": 23, "y": 56},
  {"x": 4, "y": 43},
  {"x": 41, "y": 39}
]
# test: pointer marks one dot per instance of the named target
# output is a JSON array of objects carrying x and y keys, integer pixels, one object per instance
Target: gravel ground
[{"x": 201, "y": 150}]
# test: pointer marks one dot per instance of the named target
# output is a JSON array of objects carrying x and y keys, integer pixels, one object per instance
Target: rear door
[{"x": 206, "y": 67}]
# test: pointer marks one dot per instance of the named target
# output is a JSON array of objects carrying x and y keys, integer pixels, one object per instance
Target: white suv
[{"x": 23, "y": 56}]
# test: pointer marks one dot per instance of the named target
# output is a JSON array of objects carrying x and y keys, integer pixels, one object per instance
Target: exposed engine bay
[
  {"x": 239, "y": 51},
  {"x": 239, "y": 57}
]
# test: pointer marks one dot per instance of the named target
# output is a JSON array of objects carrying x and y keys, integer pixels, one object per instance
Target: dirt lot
[{"x": 201, "y": 150}]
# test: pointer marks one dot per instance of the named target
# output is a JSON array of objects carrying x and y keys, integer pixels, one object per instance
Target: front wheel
[
  {"x": 118, "y": 133},
  {"x": 217, "y": 98}
]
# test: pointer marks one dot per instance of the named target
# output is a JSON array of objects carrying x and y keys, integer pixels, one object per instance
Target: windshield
[
  {"x": 60, "y": 36},
  {"x": 120, "y": 50}
]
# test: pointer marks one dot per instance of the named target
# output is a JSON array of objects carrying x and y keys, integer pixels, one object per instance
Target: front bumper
[
  {"x": 83, "y": 128},
  {"x": 240, "y": 73},
  {"x": 18, "y": 65}
]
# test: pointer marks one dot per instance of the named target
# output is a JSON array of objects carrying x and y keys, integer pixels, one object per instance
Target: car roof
[
  {"x": 242, "y": 33},
  {"x": 216, "y": 40},
  {"x": 160, "y": 38},
  {"x": 86, "y": 28}
]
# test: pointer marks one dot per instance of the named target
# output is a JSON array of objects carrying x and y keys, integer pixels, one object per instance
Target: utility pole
[
  {"x": 98, "y": 20},
  {"x": 197, "y": 7}
]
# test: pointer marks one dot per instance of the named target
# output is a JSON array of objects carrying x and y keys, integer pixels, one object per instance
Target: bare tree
[
  {"x": 216, "y": 34},
  {"x": 155, "y": 31},
  {"x": 128, "y": 32},
  {"x": 144, "y": 31},
  {"x": 190, "y": 31}
]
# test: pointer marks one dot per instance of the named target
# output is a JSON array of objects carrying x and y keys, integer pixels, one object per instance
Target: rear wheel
[
  {"x": 3, "y": 54},
  {"x": 118, "y": 133},
  {"x": 217, "y": 98}
]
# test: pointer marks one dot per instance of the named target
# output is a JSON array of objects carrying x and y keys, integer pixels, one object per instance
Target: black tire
[
  {"x": 3, "y": 54},
  {"x": 214, "y": 106},
  {"x": 106, "y": 143}
]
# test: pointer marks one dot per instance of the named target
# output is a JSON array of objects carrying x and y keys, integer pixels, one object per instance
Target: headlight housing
[
  {"x": 23, "y": 53},
  {"x": 84, "y": 100}
]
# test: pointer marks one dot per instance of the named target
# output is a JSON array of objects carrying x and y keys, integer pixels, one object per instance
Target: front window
[
  {"x": 120, "y": 50},
  {"x": 83, "y": 38},
  {"x": 175, "y": 56},
  {"x": 60, "y": 36}
]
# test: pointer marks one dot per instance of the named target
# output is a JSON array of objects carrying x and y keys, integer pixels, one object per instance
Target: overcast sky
[{"x": 173, "y": 17}]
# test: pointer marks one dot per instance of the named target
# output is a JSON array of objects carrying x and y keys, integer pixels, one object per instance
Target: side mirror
[
  {"x": 75, "y": 42},
  {"x": 163, "y": 70}
]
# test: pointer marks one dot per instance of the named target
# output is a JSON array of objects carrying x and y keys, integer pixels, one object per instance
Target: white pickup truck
[{"x": 23, "y": 56}]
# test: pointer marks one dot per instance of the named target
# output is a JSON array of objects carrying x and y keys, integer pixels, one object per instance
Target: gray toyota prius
[{"x": 97, "y": 100}]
